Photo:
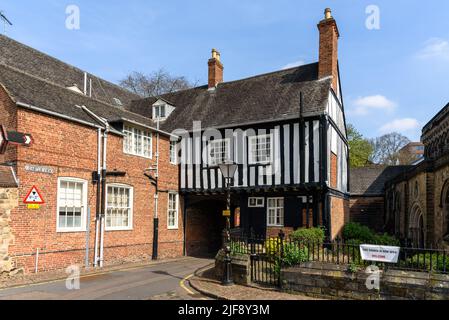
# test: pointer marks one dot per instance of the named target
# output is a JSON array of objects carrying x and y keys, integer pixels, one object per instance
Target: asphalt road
[{"x": 165, "y": 281}]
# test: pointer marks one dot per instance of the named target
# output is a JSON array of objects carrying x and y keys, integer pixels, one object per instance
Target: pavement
[
  {"x": 206, "y": 282},
  {"x": 156, "y": 281}
]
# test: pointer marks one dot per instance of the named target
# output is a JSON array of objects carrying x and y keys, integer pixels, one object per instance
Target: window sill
[
  {"x": 275, "y": 226},
  {"x": 77, "y": 230},
  {"x": 173, "y": 228},
  {"x": 118, "y": 229},
  {"x": 137, "y": 155}
]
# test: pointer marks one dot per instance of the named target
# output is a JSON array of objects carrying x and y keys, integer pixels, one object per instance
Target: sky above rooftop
[{"x": 394, "y": 69}]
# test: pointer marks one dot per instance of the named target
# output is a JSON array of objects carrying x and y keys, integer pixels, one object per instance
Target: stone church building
[{"x": 417, "y": 200}]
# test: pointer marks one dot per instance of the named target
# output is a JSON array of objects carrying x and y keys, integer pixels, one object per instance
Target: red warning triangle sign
[{"x": 34, "y": 197}]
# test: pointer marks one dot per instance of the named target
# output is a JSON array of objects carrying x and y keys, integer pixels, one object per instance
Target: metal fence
[{"x": 281, "y": 251}]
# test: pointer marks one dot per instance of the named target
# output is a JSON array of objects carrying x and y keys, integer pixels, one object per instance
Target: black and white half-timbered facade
[{"x": 286, "y": 132}]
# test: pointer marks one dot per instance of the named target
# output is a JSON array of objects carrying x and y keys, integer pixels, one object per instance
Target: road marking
[
  {"x": 182, "y": 284},
  {"x": 91, "y": 275}
]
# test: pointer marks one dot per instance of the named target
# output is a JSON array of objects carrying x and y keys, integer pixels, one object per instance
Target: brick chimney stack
[
  {"x": 328, "y": 59},
  {"x": 215, "y": 69}
]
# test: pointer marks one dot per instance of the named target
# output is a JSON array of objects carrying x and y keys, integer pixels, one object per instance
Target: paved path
[{"x": 163, "y": 281}]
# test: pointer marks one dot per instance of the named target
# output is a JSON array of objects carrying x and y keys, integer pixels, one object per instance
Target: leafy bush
[
  {"x": 355, "y": 231},
  {"x": 273, "y": 246},
  {"x": 311, "y": 235},
  {"x": 294, "y": 255},
  {"x": 422, "y": 261},
  {"x": 356, "y": 234}
]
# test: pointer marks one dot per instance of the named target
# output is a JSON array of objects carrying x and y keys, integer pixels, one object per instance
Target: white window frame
[
  {"x": 176, "y": 225},
  {"x": 227, "y": 152},
  {"x": 145, "y": 135},
  {"x": 85, "y": 191},
  {"x": 173, "y": 152},
  {"x": 275, "y": 208},
  {"x": 131, "y": 207},
  {"x": 253, "y": 142},
  {"x": 257, "y": 205},
  {"x": 158, "y": 107}
]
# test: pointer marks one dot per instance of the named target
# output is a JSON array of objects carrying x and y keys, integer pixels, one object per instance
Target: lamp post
[{"x": 228, "y": 169}]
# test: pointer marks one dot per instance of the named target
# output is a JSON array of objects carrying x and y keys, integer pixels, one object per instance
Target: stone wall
[
  {"x": 8, "y": 201},
  {"x": 336, "y": 282},
  {"x": 241, "y": 267}
]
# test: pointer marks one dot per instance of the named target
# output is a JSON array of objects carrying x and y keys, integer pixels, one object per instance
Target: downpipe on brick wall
[
  {"x": 156, "y": 200},
  {"x": 101, "y": 189}
]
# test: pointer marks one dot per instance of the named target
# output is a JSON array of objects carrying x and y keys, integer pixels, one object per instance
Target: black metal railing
[{"x": 283, "y": 251}]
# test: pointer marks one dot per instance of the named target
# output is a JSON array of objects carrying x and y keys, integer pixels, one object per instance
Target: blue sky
[{"x": 394, "y": 78}]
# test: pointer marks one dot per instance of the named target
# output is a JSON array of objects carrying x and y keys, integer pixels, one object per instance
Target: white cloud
[
  {"x": 363, "y": 105},
  {"x": 406, "y": 125},
  {"x": 434, "y": 48},
  {"x": 294, "y": 64}
]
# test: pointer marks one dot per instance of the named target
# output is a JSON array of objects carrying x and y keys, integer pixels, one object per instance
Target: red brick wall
[
  {"x": 71, "y": 151},
  {"x": 334, "y": 170},
  {"x": 8, "y": 118},
  {"x": 339, "y": 215},
  {"x": 368, "y": 211}
]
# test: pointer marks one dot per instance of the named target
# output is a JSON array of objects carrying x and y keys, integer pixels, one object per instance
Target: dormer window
[
  {"x": 159, "y": 112},
  {"x": 162, "y": 110}
]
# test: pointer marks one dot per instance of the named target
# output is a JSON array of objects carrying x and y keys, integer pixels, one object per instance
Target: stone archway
[
  {"x": 444, "y": 204},
  {"x": 417, "y": 228}
]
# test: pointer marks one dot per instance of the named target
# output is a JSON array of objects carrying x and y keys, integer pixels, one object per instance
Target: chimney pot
[
  {"x": 328, "y": 56},
  {"x": 215, "y": 69}
]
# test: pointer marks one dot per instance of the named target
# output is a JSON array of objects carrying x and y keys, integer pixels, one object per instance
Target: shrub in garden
[
  {"x": 310, "y": 235},
  {"x": 294, "y": 254},
  {"x": 423, "y": 261},
  {"x": 364, "y": 235},
  {"x": 273, "y": 246}
]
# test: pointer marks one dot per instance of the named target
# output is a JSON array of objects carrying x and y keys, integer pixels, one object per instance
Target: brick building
[
  {"x": 83, "y": 132},
  {"x": 96, "y": 147},
  {"x": 286, "y": 132},
  {"x": 367, "y": 204}
]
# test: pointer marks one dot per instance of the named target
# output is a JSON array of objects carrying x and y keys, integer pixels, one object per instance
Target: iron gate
[{"x": 265, "y": 270}]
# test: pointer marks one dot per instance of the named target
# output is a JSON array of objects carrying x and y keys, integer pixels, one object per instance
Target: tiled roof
[
  {"x": 370, "y": 181},
  {"x": 41, "y": 65},
  {"x": 7, "y": 177},
  {"x": 269, "y": 97},
  {"x": 30, "y": 90}
]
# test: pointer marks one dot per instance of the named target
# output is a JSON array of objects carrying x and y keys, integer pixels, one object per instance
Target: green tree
[{"x": 361, "y": 149}]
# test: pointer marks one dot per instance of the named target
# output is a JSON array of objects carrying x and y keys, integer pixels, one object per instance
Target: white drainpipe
[
  {"x": 100, "y": 225},
  {"x": 97, "y": 224}
]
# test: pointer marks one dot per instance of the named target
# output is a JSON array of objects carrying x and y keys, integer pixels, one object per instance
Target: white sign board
[{"x": 379, "y": 253}]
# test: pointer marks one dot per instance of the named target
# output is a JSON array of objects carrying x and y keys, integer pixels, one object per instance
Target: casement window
[
  {"x": 172, "y": 214},
  {"x": 254, "y": 202},
  {"x": 261, "y": 149},
  {"x": 219, "y": 152},
  {"x": 137, "y": 142},
  {"x": 160, "y": 112},
  {"x": 173, "y": 152},
  {"x": 119, "y": 207},
  {"x": 72, "y": 205},
  {"x": 275, "y": 217}
]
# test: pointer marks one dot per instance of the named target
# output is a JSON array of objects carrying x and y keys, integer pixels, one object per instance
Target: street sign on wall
[
  {"x": 15, "y": 138},
  {"x": 3, "y": 140},
  {"x": 33, "y": 199}
]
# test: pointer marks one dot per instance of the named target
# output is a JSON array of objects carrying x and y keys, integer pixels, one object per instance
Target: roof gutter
[
  {"x": 56, "y": 114},
  {"x": 151, "y": 128}
]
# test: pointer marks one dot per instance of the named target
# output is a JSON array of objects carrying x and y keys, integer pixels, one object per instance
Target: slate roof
[
  {"x": 7, "y": 177},
  {"x": 30, "y": 90},
  {"x": 370, "y": 181},
  {"x": 268, "y": 97},
  {"x": 31, "y": 61}
]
